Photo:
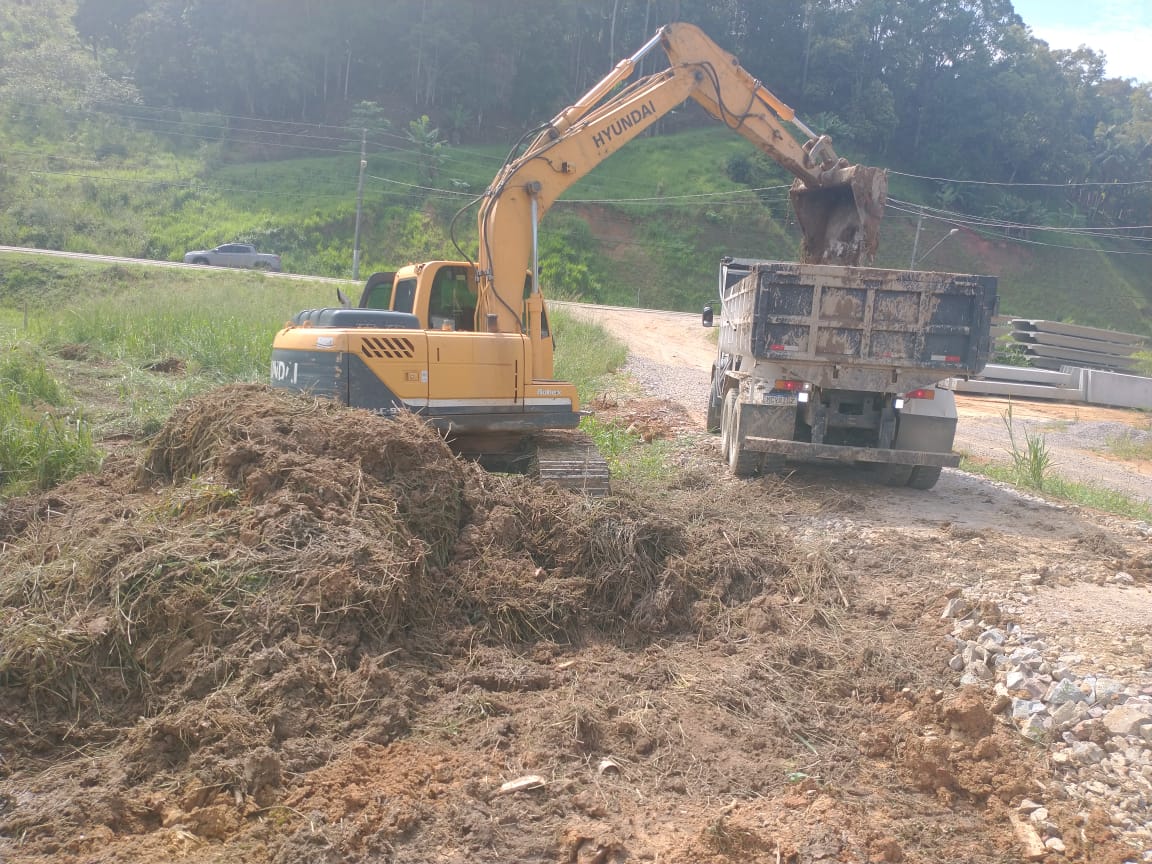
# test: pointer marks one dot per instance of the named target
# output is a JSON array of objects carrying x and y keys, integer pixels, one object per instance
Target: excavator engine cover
[{"x": 840, "y": 220}]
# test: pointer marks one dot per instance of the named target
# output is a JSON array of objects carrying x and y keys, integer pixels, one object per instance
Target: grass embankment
[
  {"x": 90, "y": 352},
  {"x": 646, "y": 226},
  {"x": 1061, "y": 488}
]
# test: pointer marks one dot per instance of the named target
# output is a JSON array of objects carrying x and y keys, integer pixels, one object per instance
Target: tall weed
[
  {"x": 1030, "y": 458},
  {"x": 28, "y": 379}
]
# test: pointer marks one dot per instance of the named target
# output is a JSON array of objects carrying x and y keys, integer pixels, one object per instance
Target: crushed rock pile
[
  {"x": 1097, "y": 727},
  {"x": 216, "y": 618}
]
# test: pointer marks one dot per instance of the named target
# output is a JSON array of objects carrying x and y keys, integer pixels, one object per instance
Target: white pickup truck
[{"x": 235, "y": 255}]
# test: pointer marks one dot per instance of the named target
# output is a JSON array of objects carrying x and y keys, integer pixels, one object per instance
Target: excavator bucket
[{"x": 840, "y": 219}]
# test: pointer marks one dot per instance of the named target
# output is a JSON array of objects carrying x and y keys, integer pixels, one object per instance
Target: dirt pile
[
  {"x": 290, "y": 632},
  {"x": 277, "y": 585}
]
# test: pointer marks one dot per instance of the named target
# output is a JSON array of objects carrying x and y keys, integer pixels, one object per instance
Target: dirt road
[{"x": 1080, "y": 438}]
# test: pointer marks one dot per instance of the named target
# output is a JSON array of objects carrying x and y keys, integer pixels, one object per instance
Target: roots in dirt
[{"x": 231, "y": 610}]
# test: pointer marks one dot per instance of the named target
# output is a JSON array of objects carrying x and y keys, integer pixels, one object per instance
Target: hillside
[
  {"x": 646, "y": 227},
  {"x": 155, "y": 129}
]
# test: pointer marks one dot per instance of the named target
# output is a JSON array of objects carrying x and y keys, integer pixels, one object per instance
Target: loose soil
[{"x": 287, "y": 632}]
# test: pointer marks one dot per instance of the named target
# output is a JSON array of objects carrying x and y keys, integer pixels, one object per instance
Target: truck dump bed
[{"x": 859, "y": 328}]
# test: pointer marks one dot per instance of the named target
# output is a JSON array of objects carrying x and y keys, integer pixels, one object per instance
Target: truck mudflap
[{"x": 806, "y": 451}]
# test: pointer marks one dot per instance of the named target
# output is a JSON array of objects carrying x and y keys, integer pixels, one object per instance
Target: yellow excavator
[{"x": 468, "y": 344}]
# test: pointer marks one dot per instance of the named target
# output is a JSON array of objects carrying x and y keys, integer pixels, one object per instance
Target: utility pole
[
  {"x": 916, "y": 241},
  {"x": 360, "y": 204}
]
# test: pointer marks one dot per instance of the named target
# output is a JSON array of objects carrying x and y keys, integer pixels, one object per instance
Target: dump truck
[{"x": 826, "y": 362}]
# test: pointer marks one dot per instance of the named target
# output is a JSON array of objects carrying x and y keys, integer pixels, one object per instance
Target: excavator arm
[{"x": 838, "y": 206}]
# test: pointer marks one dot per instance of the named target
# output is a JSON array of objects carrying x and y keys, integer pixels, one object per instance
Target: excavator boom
[{"x": 838, "y": 206}]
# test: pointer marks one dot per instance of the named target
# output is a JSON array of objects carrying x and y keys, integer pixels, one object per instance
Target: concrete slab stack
[
  {"x": 1068, "y": 363},
  {"x": 1052, "y": 344}
]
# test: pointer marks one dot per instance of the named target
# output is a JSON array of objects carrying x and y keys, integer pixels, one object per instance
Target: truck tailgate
[{"x": 819, "y": 315}]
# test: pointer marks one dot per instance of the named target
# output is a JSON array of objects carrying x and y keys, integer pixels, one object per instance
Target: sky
[{"x": 1121, "y": 29}]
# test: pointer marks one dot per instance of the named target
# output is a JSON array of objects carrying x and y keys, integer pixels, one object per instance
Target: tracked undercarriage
[{"x": 566, "y": 457}]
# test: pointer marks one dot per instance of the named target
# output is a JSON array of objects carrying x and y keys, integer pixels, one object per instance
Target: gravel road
[{"x": 670, "y": 357}]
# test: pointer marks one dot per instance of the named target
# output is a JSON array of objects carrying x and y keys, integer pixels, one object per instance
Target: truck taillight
[
  {"x": 802, "y": 389},
  {"x": 921, "y": 393},
  {"x": 790, "y": 385}
]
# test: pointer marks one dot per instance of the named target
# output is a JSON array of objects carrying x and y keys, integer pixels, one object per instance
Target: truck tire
[
  {"x": 715, "y": 412},
  {"x": 741, "y": 462},
  {"x": 727, "y": 416},
  {"x": 895, "y": 475},
  {"x": 924, "y": 476}
]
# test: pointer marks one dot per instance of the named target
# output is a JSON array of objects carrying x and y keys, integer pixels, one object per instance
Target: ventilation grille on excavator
[{"x": 390, "y": 348}]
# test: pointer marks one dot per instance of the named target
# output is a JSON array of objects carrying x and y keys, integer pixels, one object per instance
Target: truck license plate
[{"x": 779, "y": 400}]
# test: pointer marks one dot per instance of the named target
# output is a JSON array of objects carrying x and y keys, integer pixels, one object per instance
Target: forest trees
[{"x": 955, "y": 88}]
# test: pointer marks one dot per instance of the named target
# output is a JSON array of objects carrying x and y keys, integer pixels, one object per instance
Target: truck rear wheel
[
  {"x": 924, "y": 476},
  {"x": 741, "y": 462},
  {"x": 895, "y": 475},
  {"x": 715, "y": 410},
  {"x": 727, "y": 417}
]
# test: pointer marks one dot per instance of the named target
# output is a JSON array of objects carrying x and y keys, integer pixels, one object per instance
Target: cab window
[
  {"x": 377, "y": 296},
  {"x": 404, "y": 295},
  {"x": 452, "y": 304}
]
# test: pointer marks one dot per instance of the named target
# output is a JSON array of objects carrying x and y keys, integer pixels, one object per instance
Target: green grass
[
  {"x": 1031, "y": 459},
  {"x": 26, "y": 377},
  {"x": 1062, "y": 489},
  {"x": 585, "y": 353},
  {"x": 37, "y": 451},
  {"x": 220, "y": 324},
  {"x": 1129, "y": 447},
  {"x": 98, "y": 327},
  {"x": 39, "y": 444},
  {"x": 629, "y": 456}
]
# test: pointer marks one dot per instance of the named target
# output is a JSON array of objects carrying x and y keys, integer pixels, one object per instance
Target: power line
[
  {"x": 1010, "y": 184},
  {"x": 954, "y": 217}
]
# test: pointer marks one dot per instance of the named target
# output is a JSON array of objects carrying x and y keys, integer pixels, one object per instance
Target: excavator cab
[{"x": 452, "y": 300}]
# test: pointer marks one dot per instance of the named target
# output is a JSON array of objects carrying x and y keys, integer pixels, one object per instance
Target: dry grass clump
[
  {"x": 539, "y": 563},
  {"x": 252, "y": 515},
  {"x": 256, "y": 516}
]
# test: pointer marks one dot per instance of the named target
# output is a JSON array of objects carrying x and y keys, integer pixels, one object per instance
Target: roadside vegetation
[
  {"x": 1059, "y": 488},
  {"x": 42, "y": 439},
  {"x": 1132, "y": 445},
  {"x": 1031, "y": 467}
]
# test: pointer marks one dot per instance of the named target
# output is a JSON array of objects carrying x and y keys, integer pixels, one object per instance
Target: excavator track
[{"x": 572, "y": 461}]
